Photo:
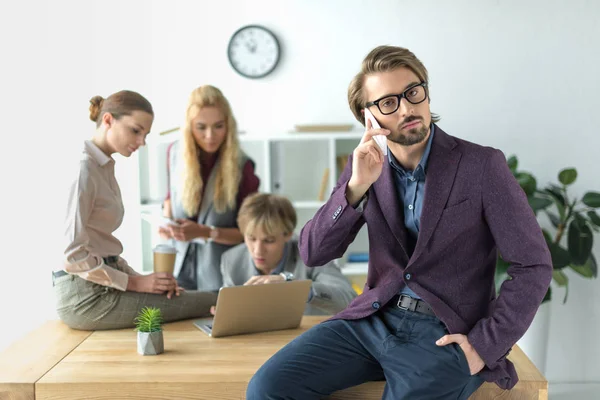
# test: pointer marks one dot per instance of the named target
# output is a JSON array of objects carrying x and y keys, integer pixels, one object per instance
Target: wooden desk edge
[{"x": 29, "y": 358}]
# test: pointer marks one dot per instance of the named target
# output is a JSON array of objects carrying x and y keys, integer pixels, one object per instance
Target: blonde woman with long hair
[
  {"x": 209, "y": 177},
  {"x": 95, "y": 287}
]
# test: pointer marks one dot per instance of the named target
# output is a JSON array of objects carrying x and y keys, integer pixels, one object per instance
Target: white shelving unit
[{"x": 292, "y": 165}]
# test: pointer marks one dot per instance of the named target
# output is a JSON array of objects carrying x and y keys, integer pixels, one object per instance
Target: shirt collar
[
  {"x": 97, "y": 154},
  {"x": 422, "y": 166}
]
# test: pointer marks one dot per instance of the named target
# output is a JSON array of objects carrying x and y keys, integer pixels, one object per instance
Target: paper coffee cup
[{"x": 164, "y": 258}]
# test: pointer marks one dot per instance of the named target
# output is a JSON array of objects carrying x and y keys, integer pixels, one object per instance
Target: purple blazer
[{"x": 473, "y": 208}]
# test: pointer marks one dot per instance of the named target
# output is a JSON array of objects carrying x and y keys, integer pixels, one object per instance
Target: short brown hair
[
  {"x": 118, "y": 104},
  {"x": 272, "y": 213},
  {"x": 383, "y": 59}
]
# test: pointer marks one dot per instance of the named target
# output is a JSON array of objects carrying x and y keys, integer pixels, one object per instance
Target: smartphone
[{"x": 381, "y": 140}]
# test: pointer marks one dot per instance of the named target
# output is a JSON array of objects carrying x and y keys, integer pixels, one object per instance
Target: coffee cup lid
[{"x": 165, "y": 248}]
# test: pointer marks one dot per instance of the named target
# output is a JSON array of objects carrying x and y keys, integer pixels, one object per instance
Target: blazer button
[
  {"x": 376, "y": 305},
  {"x": 407, "y": 277}
]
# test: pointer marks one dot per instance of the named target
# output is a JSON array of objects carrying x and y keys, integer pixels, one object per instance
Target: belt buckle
[{"x": 399, "y": 304}]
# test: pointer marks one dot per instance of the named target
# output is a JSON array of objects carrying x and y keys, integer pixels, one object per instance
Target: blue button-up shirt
[{"x": 411, "y": 191}]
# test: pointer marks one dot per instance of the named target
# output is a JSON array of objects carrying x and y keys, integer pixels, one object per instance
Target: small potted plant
[{"x": 148, "y": 325}]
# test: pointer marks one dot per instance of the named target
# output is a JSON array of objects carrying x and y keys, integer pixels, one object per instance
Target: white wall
[{"x": 520, "y": 76}]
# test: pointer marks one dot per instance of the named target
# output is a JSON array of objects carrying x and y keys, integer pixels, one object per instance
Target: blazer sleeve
[
  {"x": 521, "y": 243},
  {"x": 226, "y": 271},
  {"x": 335, "y": 225},
  {"x": 332, "y": 292}
]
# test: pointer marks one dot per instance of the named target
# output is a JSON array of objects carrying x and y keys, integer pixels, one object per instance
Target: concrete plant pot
[{"x": 150, "y": 343}]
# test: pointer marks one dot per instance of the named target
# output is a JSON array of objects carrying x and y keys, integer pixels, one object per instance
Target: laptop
[{"x": 257, "y": 308}]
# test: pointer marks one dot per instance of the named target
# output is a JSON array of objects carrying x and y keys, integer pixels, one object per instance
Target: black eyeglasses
[{"x": 389, "y": 104}]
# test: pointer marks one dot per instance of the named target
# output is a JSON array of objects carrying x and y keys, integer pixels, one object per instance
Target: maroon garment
[
  {"x": 473, "y": 208},
  {"x": 248, "y": 184}
]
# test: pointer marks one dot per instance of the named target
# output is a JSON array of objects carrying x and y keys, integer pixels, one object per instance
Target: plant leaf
[
  {"x": 559, "y": 200},
  {"x": 512, "y": 163},
  {"x": 580, "y": 240},
  {"x": 527, "y": 182},
  {"x": 501, "y": 273},
  {"x": 553, "y": 218},
  {"x": 149, "y": 319},
  {"x": 538, "y": 203},
  {"x": 589, "y": 269},
  {"x": 567, "y": 176},
  {"x": 562, "y": 280},
  {"x": 595, "y": 218},
  {"x": 591, "y": 199},
  {"x": 547, "y": 236},
  {"x": 554, "y": 191},
  {"x": 548, "y": 295},
  {"x": 560, "y": 256}
]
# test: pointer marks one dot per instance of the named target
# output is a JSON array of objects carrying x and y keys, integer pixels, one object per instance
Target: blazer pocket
[{"x": 457, "y": 208}]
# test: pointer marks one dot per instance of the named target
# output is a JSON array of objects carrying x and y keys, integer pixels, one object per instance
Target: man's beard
[{"x": 413, "y": 136}]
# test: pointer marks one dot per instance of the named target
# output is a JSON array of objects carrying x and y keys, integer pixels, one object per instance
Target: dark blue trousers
[{"x": 394, "y": 345}]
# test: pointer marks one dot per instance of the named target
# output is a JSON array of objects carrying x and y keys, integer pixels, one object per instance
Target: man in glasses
[{"x": 438, "y": 210}]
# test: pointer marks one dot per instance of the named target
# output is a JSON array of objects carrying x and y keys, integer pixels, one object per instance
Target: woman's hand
[
  {"x": 178, "y": 290},
  {"x": 157, "y": 283},
  {"x": 188, "y": 230},
  {"x": 165, "y": 233}
]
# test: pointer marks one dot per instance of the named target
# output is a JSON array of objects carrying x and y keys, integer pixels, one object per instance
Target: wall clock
[{"x": 253, "y": 51}]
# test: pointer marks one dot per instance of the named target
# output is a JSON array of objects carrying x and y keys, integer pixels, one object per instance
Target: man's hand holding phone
[{"x": 367, "y": 163}]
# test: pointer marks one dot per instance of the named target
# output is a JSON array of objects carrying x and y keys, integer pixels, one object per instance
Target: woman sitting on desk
[
  {"x": 270, "y": 255},
  {"x": 96, "y": 288}
]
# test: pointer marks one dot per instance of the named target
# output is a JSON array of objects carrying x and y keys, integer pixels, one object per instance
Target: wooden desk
[{"x": 105, "y": 365}]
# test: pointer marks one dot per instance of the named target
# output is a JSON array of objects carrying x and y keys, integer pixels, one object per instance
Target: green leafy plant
[
  {"x": 149, "y": 319},
  {"x": 574, "y": 220}
]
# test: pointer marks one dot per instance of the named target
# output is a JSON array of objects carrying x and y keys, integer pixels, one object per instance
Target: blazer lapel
[
  {"x": 441, "y": 170},
  {"x": 249, "y": 270},
  {"x": 292, "y": 256},
  {"x": 391, "y": 207}
]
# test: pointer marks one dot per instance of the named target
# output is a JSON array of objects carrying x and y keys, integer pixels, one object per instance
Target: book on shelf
[{"x": 323, "y": 128}]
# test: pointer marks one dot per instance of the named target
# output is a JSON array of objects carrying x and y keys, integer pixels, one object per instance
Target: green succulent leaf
[
  {"x": 591, "y": 199},
  {"x": 567, "y": 176},
  {"x": 149, "y": 319}
]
